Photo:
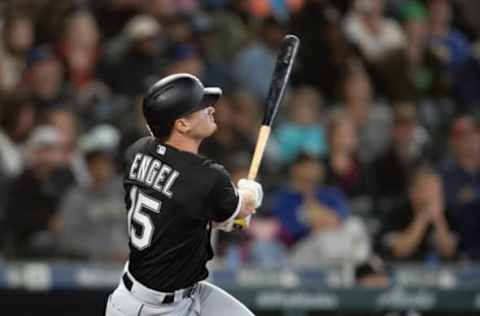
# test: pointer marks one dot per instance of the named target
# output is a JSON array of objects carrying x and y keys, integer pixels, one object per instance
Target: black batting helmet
[{"x": 173, "y": 97}]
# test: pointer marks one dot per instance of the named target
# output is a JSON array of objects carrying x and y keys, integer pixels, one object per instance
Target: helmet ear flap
[{"x": 160, "y": 131}]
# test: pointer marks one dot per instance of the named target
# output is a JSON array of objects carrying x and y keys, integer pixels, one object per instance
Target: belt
[{"x": 155, "y": 297}]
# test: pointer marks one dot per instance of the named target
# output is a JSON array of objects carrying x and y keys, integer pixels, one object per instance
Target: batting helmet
[{"x": 173, "y": 97}]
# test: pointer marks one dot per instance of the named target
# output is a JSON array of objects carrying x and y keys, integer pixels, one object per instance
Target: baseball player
[{"x": 174, "y": 199}]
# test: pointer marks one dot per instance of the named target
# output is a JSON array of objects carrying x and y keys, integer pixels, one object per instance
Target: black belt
[{"x": 169, "y": 297}]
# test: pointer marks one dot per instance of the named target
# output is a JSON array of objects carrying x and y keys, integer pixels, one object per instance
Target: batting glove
[{"x": 254, "y": 187}]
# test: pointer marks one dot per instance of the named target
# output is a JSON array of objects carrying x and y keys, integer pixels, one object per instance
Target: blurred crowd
[{"x": 374, "y": 154}]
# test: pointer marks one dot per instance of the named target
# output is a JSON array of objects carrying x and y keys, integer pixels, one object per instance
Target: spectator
[
  {"x": 17, "y": 118},
  {"x": 185, "y": 59},
  {"x": 266, "y": 251},
  {"x": 451, "y": 45},
  {"x": 31, "y": 219},
  {"x": 45, "y": 79},
  {"x": 461, "y": 179},
  {"x": 419, "y": 230},
  {"x": 97, "y": 104},
  {"x": 139, "y": 63},
  {"x": 455, "y": 54},
  {"x": 303, "y": 194},
  {"x": 333, "y": 240},
  {"x": 342, "y": 166},
  {"x": 253, "y": 67},
  {"x": 372, "y": 120},
  {"x": 93, "y": 215},
  {"x": 16, "y": 122},
  {"x": 248, "y": 118},
  {"x": 335, "y": 237},
  {"x": 232, "y": 29},
  {"x": 392, "y": 167},
  {"x": 302, "y": 131},
  {"x": 324, "y": 54},
  {"x": 179, "y": 31},
  {"x": 80, "y": 48},
  {"x": 413, "y": 72},
  {"x": 162, "y": 10},
  {"x": 368, "y": 28},
  {"x": 217, "y": 72},
  {"x": 17, "y": 40},
  {"x": 66, "y": 122},
  {"x": 247, "y": 114}
]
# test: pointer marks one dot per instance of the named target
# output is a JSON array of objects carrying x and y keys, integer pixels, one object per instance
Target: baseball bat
[{"x": 281, "y": 74}]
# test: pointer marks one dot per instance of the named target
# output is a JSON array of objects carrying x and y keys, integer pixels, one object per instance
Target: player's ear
[{"x": 182, "y": 125}]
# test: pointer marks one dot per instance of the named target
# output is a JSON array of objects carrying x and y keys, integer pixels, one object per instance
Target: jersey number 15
[{"x": 138, "y": 213}]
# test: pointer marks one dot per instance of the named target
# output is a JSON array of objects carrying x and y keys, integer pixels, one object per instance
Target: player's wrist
[
  {"x": 255, "y": 190},
  {"x": 248, "y": 202}
]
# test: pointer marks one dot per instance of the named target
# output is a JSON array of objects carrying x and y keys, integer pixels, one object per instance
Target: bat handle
[{"x": 262, "y": 140}]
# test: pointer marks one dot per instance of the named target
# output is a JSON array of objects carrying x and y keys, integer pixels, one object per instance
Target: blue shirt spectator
[
  {"x": 461, "y": 179},
  {"x": 289, "y": 207},
  {"x": 449, "y": 44},
  {"x": 302, "y": 194},
  {"x": 455, "y": 53},
  {"x": 463, "y": 196},
  {"x": 457, "y": 48},
  {"x": 462, "y": 187}
]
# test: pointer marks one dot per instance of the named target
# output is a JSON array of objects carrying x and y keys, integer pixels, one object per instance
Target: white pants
[{"x": 208, "y": 300}]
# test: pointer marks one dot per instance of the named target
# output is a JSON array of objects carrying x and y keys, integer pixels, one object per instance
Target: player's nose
[{"x": 210, "y": 110}]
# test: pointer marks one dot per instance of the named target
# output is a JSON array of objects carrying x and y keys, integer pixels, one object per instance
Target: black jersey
[{"x": 172, "y": 197}]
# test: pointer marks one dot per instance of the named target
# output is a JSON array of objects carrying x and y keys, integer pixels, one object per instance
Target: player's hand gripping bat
[{"x": 281, "y": 73}]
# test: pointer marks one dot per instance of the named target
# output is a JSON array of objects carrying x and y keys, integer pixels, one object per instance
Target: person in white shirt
[{"x": 373, "y": 33}]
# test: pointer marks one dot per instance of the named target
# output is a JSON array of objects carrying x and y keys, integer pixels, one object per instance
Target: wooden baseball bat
[{"x": 281, "y": 74}]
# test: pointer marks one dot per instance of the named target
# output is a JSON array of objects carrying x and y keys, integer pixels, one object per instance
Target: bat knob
[{"x": 240, "y": 223}]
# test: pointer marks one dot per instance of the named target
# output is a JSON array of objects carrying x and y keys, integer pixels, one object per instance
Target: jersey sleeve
[{"x": 225, "y": 201}]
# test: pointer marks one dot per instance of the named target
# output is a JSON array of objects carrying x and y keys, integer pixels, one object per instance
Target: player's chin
[
  {"x": 207, "y": 132},
  {"x": 213, "y": 127}
]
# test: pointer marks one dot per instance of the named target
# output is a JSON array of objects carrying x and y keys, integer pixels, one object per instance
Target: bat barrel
[{"x": 281, "y": 73}]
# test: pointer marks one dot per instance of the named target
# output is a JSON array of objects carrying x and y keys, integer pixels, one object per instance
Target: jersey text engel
[{"x": 153, "y": 173}]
